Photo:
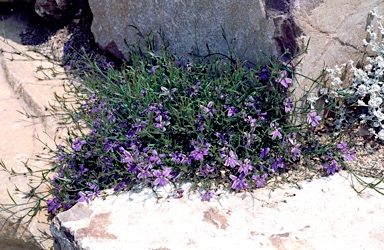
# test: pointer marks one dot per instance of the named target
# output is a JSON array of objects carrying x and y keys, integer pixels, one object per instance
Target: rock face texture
[
  {"x": 250, "y": 27},
  {"x": 59, "y": 9},
  {"x": 54, "y": 10},
  {"x": 335, "y": 28},
  {"x": 286, "y": 218},
  {"x": 13, "y": 1}
]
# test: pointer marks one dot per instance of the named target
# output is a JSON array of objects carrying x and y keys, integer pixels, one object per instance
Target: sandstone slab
[
  {"x": 325, "y": 214},
  {"x": 26, "y": 85}
]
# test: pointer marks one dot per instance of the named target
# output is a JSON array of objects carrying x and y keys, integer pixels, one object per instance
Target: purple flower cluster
[
  {"x": 208, "y": 195},
  {"x": 284, "y": 80},
  {"x": 193, "y": 91},
  {"x": 348, "y": 156},
  {"x": 331, "y": 168},
  {"x": 288, "y": 105},
  {"x": 209, "y": 111},
  {"x": 53, "y": 205},
  {"x": 313, "y": 119},
  {"x": 78, "y": 144},
  {"x": 276, "y": 132},
  {"x": 160, "y": 130},
  {"x": 199, "y": 152},
  {"x": 162, "y": 177}
]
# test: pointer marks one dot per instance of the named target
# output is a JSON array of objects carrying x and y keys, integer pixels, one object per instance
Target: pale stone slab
[
  {"x": 325, "y": 214},
  {"x": 22, "y": 91}
]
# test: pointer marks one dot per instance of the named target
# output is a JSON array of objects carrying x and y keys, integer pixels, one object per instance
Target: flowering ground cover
[
  {"x": 157, "y": 120},
  {"x": 215, "y": 121}
]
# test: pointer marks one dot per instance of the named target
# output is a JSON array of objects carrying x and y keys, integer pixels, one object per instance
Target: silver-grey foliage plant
[{"x": 365, "y": 90}]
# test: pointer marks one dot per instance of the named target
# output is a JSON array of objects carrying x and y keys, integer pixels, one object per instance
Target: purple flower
[
  {"x": 264, "y": 153},
  {"x": 94, "y": 187},
  {"x": 252, "y": 121},
  {"x": 313, "y": 119},
  {"x": 165, "y": 90},
  {"x": 179, "y": 158},
  {"x": 194, "y": 90},
  {"x": 108, "y": 64},
  {"x": 246, "y": 166},
  {"x": 199, "y": 153},
  {"x": 277, "y": 164},
  {"x": 288, "y": 105},
  {"x": 180, "y": 193},
  {"x": 231, "y": 110},
  {"x": 231, "y": 160},
  {"x": 162, "y": 176},
  {"x": 343, "y": 147},
  {"x": 53, "y": 205},
  {"x": 153, "y": 70},
  {"x": 82, "y": 170},
  {"x": 238, "y": 182},
  {"x": 78, "y": 143},
  {"x": 262, "y": 116},
  {"x": 66, "y": 47},
  {"x": 161, "y": 124},
  {"x": 208, "y": 110},
  {"x": 249, "y": 138},
  {"x": 120, "y": 186},
  {"x": 285, "y": 81},
  {"x": 331, "y": 168},
  {"x": 223, "y": 138},
  {"x": 276, "y": 132},
  {"x": 207, "y": 195},
  {"x": 349, "y": 156},
  {"x": 175, "y": 157},
  {"x": 264, "y": 73},
  {"x": 260, "y": 181},
  {"x": 127, "y": 157},
  {"x": 144, "y": 173},
  {"x": 296, "y": 151},
  {"x": 139, "y": 125},
  {"x": 200, "y": 125},
  {"x": 206, "y": 169},
  {"x": 85, "y": 197},
  {"x": 110, "y": 116},
  {"x": 155, "y": 157},
  {"x": 107, "y": 145},
  {"x": 61, "y": 156}
]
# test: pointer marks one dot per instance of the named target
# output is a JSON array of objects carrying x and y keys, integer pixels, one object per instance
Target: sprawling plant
[
  {"x": 157, "y": 121},
  {"x": 363, "y": 95}
]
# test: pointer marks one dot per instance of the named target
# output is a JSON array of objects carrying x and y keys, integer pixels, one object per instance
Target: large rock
[
  {"x": 13, "y": 1},
  {"x": 288, "y": 218},
  {"x": 250, "y": 27},
  {"x": 336, "y": 28},
  {"x": 59, "y": 10},
  {"x": 51, "y": 8},
  {"x": 54, "y": 10}
]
